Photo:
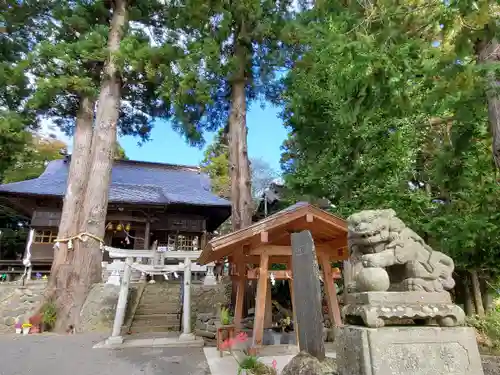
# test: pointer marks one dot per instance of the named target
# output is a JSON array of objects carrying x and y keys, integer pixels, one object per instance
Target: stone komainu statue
[{"x": 378, "y": 239}]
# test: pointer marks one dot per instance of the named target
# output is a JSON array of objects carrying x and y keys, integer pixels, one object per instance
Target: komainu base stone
[
  {"x": 375, "y": 309},
  {"x": 407, "y": 351}
]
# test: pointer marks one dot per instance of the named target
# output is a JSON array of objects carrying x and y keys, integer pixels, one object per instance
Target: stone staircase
[{"x": 159, "y": 309}]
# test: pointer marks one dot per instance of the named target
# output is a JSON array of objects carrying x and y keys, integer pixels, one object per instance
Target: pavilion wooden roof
[{"x": 328, "y": 231}]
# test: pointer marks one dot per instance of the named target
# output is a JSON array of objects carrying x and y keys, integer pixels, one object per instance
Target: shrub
[
  {"x": 488, "y": 327},
  {"x": 49, "y": 314}
]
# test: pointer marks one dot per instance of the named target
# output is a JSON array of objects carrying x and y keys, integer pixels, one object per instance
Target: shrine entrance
[{"x": 253, "y": 250}]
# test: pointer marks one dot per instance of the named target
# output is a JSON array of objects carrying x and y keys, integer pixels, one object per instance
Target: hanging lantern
[
  {"x": 119, "y": 227},
  {"x": 127, "y": 227},
  {"x": 109, "y": 226}
]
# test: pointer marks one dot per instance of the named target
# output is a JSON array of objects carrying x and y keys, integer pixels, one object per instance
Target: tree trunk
[
  {"x": 241, "y": 195},
  {"x": 87, "y": 255},
  {"x": 464, "y": 289},
  {"x": 77, "y": 181},
  {"x": 487, "y": 295},
  {"x": 469, "y": 307},
  {"x": 489, "y": 52},
  {"x": 476, "y": 292},
  {"x": 241, "y": 190}
]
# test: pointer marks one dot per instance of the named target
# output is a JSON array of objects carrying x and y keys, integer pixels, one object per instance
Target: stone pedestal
[
  {"x": 373, "y": 309},
  {"x": 407, "y": 351}
]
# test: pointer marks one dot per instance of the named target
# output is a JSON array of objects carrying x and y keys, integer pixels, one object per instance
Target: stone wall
[
  {"x": 18, "y": 302},
  {"x": 98, "y": 312},
  {"x": 208, "y": 299}
]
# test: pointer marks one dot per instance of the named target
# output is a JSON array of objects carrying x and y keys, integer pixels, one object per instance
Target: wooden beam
[
  {"x": 254, "y": 274},
  {"x": 309, "y": 218},
  {"x": 260, "y": 306},
  {"x": 123, "y": 217},
  {"x": 264, "y": 237},
  {"x": 271, "y": 250},
  {"x": 331, "y": 292}
]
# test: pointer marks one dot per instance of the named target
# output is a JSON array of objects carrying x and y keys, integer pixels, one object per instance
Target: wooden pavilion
[{"x": 268, "y": 242}]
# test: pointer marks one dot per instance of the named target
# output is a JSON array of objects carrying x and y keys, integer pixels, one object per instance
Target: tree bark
[
  {"x": 77, "y": 181},
  {"x": 241, "y": 190},
  {"x": 476, "y": 292},
  {"x": 489, "y": 52},
  {"x": 241, "y": 195},
  {"x": 487, "y": 295},
  {"x": 86, "y": 256}
]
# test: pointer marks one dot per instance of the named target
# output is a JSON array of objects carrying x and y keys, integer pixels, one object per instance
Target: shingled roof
[{"x": 132, "y": 182}]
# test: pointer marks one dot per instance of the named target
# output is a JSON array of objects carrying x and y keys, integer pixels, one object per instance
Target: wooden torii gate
[{"x": 268, "y": 242}]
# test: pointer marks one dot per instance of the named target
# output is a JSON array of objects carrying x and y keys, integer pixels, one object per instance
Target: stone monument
[
  {"x": 400, "y": 317},
  {"x": 308, "y": 311}
]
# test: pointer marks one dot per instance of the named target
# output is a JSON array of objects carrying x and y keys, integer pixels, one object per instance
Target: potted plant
[
  {"x": 18, "y": 326},
  {"x": 225, "y": 316},
  {"x": 26, "y": 328},
  {"x": 49, "y": 316}
]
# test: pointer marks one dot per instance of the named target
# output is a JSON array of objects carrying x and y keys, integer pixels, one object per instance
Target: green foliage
[
  {"x": 23, "y": 26},
  {"x": 488, "y": 326},
  {"x": 380, "y": 116},
  {"x": 120, "y": 152},
  {"x": 225, "y": 42},
  {"x": 216, "y": 164},
  {"x": 49, "y": 314},
  {"x": 225, "y": 316},
  {"x": 32, "y": 161},
  {"x": 71, "y": 67}
]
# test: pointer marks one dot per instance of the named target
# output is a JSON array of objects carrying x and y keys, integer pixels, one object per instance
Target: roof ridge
[{"x": 151, "y": 163}]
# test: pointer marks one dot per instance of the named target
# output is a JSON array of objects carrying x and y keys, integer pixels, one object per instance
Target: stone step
[
  {"x": 168, "y": 308},
  {"x": 163, "y": 294},
  {"x": 147, "y": 329},
  {"x": 154, "y": 303},
  {"x": 156, "y": 320}
]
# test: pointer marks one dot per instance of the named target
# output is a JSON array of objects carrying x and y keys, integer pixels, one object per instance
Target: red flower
[
  {"x": 241, "y": 337},
  {"x": 227, "y": 344},
  {"x": 274, "y": 363}
]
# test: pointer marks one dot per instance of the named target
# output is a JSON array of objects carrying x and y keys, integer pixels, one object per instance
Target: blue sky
[{"x": 266, "y": 133}]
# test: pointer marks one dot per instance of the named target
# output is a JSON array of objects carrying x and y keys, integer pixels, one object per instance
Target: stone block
[
  {"x": 394, "y": 298},
  {"x": 407, "y": 351},
  {"x": 375, "y": 308}
]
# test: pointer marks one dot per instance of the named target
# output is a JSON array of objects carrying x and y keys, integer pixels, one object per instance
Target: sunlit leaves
[{"x": 382, "y": 117}]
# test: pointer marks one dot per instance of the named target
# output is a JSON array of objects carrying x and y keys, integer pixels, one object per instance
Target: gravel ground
[
  {"x": 73, "y": 355},
  {"x": 491, "y": 365}
]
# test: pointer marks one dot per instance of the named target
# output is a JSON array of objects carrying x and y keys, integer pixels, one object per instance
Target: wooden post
[
  {"x": 294, "y": 311},
  {"x": 147, "y": 230},
  {"x": 307, "y": 290},
  {"x": 260, "y": 308},
  {"x": 268, "y": 314},
  {"x": 240, "y": 294},
  {"x": 331, "y": 292}
]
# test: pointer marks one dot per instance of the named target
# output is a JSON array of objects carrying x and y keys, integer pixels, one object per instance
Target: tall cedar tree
[
  {"x": 22, "y": 24},
  {"x": 102, "y": 54},
  {"x": 234, "y": 51}
]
